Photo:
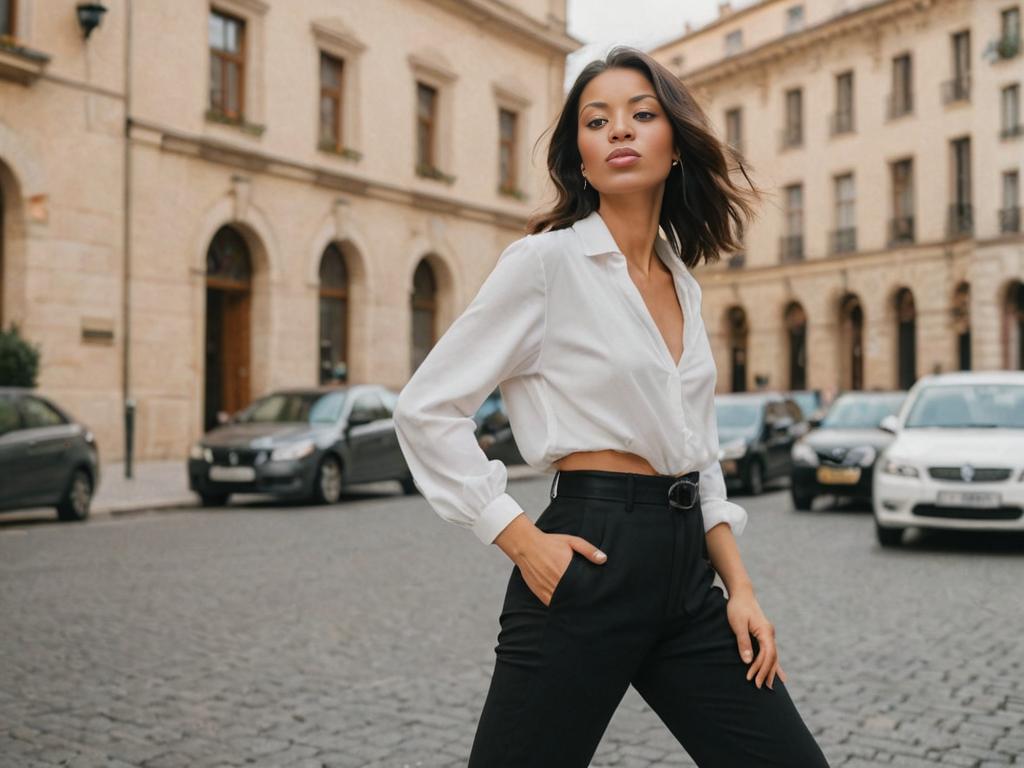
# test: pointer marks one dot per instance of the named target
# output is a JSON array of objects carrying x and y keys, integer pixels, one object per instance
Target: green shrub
[{"x": 19, "y": 360}]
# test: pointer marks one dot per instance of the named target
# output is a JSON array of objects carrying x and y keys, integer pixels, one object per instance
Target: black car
[
  {"x": 494, "y": 432},
  {"x": 47, "y": 458},
  {"x": 302, "y": 443},
  {"x": 756, "y": 431},
  {"x": 838, "y": 457}
]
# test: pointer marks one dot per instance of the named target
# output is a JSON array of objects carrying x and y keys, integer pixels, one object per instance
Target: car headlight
[
  {"x": 734, "y": 449},
  {"x": 896, "y": 467},
  {"x": 802, "y": 453},
  {"x": 199, "y": 452},
  {"x": 293, "y": 451},
  {"x": 863, "y": 455}
]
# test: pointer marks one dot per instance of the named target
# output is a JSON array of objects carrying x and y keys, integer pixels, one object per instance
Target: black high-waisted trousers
[{"x": 648, "y": 616}]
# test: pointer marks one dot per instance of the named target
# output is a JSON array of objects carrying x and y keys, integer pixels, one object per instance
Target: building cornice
[
  {"x": 552, "y": 37},
  {"x": 857, "y": 20},
  {"x": 213, "y": 150}
]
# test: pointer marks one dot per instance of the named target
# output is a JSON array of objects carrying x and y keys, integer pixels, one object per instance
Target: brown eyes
[{"x": 644, "y": 112}]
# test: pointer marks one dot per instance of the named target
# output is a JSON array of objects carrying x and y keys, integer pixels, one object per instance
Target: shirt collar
[{"x": 597, "y": 240}]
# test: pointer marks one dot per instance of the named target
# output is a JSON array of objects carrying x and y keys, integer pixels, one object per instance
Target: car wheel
[
  {"x": 801, "y": 501},
  {"x": 888, "y": 537},
  {"x": 327, "y": 487},
  {"x": 214, "y": 499},
  {"x": 409, "y": 487},
  {"x": 754, "y": 481},
  {"x": 74, "y": 505}
]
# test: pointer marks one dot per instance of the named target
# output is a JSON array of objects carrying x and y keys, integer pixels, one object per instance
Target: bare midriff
[{"x": 607, "y": 460}]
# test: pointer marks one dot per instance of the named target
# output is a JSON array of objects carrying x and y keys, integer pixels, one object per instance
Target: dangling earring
[{"x": 584, "y": 177}]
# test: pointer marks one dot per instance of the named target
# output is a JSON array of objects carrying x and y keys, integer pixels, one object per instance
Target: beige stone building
[
  {"x": 207, "y": 199},
  {"x": 889, "y": 138}
]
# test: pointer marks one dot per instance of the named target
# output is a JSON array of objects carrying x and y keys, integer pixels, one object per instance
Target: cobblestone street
[{"x": 363, "y": 635}]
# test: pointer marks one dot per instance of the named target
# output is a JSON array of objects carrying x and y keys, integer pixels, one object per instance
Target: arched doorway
[
  {"x": 796, "y": 333},
  {"x": 228, "y": 299},
  {"x": 424, "y": 313},
  {"x": 962, "y": 325},
  {"x": 334, "y": 322},
  {"x": 3, "y": 241},
  {"x": 736, "y": 321},
  {"x": 851, "y": 346},
  {"x": 1013, "y": 327},
  {"x": 906, "y": 339}
]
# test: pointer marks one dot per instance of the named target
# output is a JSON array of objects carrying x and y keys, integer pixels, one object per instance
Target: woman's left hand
[{"x": 747, "y": 619}]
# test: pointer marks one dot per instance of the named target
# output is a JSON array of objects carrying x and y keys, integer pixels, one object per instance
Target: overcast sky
[{"x": 640, "y": 23}]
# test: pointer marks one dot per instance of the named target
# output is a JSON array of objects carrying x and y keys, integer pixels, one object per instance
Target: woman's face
[{"x": 623, "y": 121}]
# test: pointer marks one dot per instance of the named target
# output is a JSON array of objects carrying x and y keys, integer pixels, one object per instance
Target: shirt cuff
[
  {"x": 499, "y": 513},
  {"x": 718, "y": 511}
]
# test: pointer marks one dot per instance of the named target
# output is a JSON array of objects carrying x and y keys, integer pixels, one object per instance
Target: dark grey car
[
  {"x": 47, "y": 458},
  {"x": 302, "y": 443}
]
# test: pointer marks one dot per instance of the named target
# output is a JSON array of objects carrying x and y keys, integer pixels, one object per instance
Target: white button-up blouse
[{"x": 562, "y": 329}]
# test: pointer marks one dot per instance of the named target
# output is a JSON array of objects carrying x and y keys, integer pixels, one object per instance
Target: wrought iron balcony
[
  {"x": 791, "y": 248},
  {"x": 899, "y": 104},
  {"x": 901, "y": 230},
  {"x": 1009, "y": 219},
  {"x": 1012, "y": 131},
  {"x": 960, "y": 220},
  {"x": 957, "y": 89},
  {"x": 791, "y": 136},
  {"x": 843, "y": 240},
  {"x": 841, "y": 122}
]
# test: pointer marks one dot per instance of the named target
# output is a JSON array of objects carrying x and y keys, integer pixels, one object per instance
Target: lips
[{"x": 622, "y": 152}]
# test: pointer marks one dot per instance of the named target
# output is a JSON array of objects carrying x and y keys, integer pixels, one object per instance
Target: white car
[{"x": 957, "y": 459}]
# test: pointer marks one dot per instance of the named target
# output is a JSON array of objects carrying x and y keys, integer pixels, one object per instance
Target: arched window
[
  {"x": 424, "y": 313},
  {"x": 333, "y": 316},
  {"x": 736, "y": 319},
  {"x": 906, "y": 338},
  {"x": 796, "y": 332},
  {"x": 851, "y": 331},
  {"x": 962, "y": 325}
]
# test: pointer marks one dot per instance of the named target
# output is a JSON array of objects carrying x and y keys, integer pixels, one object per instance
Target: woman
[{"x": 591, "y": 325}]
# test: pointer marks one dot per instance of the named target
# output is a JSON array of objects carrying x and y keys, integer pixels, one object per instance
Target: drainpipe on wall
[{"x": 126, "y": 336}]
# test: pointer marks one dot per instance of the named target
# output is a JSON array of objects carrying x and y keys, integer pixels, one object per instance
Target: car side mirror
[{"x": 890, "y": 423}]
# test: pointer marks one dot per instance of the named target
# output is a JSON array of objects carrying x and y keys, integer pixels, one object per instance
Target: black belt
[{"x": 682, "y": 492}]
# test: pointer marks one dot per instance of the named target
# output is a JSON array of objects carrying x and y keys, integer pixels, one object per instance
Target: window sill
[
  {"x": 19, "y": 63},
  {"x": 429, "y": 172},
  {"x": 346, "y": 152},
  {"x": 253, "y": 129},
  {"x": 518, "y": 194}
]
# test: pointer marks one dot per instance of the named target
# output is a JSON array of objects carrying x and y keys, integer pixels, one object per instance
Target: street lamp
[{"x": 89, "y": 16}]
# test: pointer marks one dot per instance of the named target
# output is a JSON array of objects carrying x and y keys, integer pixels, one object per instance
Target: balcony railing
[
  {"x": 737, "y": 261},
  {"x": 1011, "y": 131},
  {"x": 791, "y": 248},
  {"x": 843, "y": 240},
  {"x": 901, "y": 230},
  {"x": 1007, "y": 46},
  {"x": 960, "y": 219},
  {"x": 791, "y": 136},
  {"x": 841, "y": 122},
  {"x": 899, "y": 104},
  {"x": 957, "y": 89},
  {"x": 1009, "y": 219}
]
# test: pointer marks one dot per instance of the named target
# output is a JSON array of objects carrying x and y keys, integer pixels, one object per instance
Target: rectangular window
[
  {"x": 1009, "y": 215},
  {"x": 7, "y": 18},
  {"x": 331, "y": 69},
  {"x": 844, "y": 236},
  {"x": 958, "y": 88},
  {"x": 1010, "y": 23},
  {"x": 507, "y": 152},
  {"x": 842, "y": 122},
  {"x": 734, "y": 127},
  {"x": 902, "y": 224},
  {"x": 792, "y": 245},
  {"x": 794, "y": 19},
  {"x": 734, "y": 42},
  {"x": 227, "y": 65},
  {"x": 960, "y": 210},
  {"x": 426, "y": 122},
  {"x": 1010, "y": 111},
  {"x": 793, "y": 135},
  {"x": 902, "y": 96}
]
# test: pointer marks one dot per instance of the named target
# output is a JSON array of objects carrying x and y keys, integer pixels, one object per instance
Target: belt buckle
[{"x": 694, "y": 493}]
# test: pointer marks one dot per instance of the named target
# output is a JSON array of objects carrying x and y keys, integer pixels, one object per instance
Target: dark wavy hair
[{"x": 701, "y": 202}]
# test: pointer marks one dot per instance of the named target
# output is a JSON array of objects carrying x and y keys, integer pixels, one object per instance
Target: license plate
[
  {"x": 232, "y": 474},
  {"x": 981, "y": 499},
  {"x": 838, "y": 475}
]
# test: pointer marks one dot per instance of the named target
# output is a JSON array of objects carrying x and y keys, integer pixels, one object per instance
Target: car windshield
[
  {"x": 291, "y": 407},
  {"x": 965, "y": 406},
  {"x": 737, "y": 415},
  {"x": 861, "y": 412}
]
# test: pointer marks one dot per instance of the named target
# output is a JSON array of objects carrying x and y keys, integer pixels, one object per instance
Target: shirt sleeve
[{"x": 497, "y": 337}]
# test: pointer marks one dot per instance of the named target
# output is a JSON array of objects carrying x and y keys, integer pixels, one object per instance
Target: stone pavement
[{"x": 362, "y": 634}]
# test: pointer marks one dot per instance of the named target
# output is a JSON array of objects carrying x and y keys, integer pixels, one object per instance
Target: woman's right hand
[{"x": 543, "y": 558}]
